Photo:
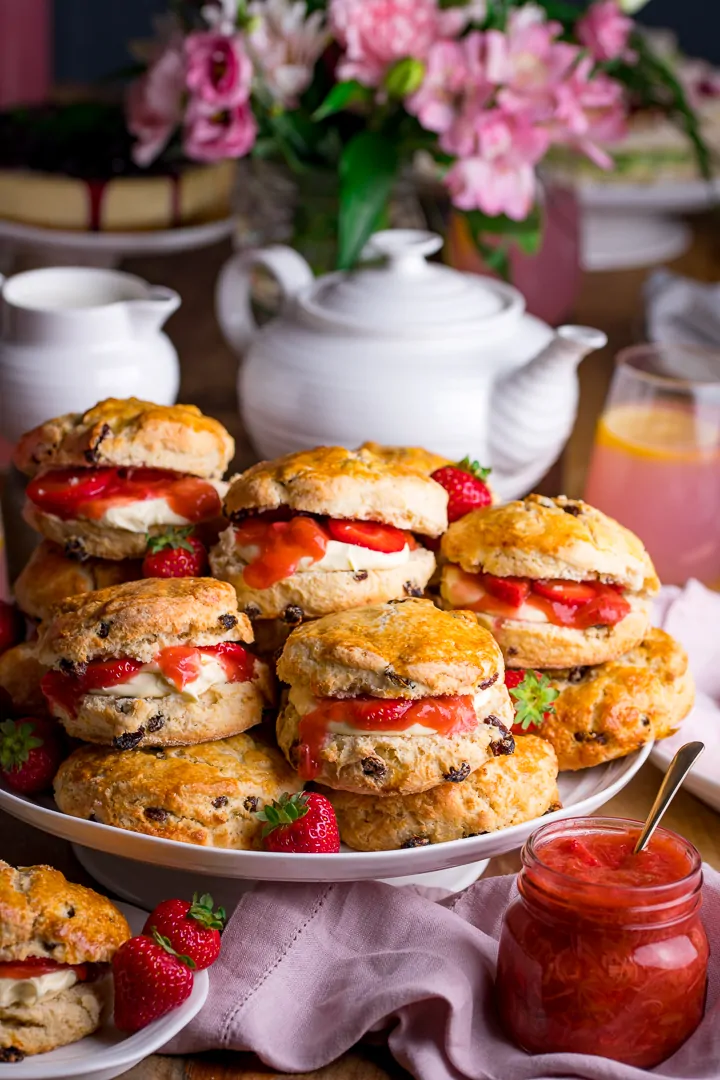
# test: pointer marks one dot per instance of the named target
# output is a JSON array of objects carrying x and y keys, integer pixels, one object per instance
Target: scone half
[
  {"x": 610, "y": 710},
  {"x": 504, "y": 791},
  {"x": 326, "y": 530},
  {"x": 56, "y": 943},
  {"x": 392, "y": 699},
  {"x": 557, "y": 583},
  {"x": 50, "y": 576},
  {"x": 160, "y": 662}
]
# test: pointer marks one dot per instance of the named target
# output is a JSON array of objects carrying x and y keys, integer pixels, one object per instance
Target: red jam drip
[
  {"x": 446, "y": 715},
  {"x": 603, "y": 951},
  {"x": 89, "y": 493},
  {"x": 96, "y": 196},
  {"x": 578, "y": 605},
  {"x": 180, "y": 664},
  {"x": 35, "y": 966}
]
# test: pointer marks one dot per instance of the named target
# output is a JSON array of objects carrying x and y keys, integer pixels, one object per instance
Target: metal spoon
[{"x": 680, "y": 766}]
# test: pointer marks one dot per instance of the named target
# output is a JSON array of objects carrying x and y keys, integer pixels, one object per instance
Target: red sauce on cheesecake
[
  {"x": 448, "y": 716},
  {"x": 89, "y": 493},
  {"x": 180, "y": 664}
]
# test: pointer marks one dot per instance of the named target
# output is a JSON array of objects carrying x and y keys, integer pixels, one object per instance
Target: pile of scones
[{"x": 196, "y": 701}]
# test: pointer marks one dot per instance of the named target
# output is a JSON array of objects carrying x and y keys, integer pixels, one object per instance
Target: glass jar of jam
[{"x": 604, "y": 952}]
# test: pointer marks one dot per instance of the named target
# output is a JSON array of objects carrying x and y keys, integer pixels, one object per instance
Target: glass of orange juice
[{"x": 656, "y": 462}]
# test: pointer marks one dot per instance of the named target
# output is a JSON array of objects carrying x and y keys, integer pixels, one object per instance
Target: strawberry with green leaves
[
  {"x": 532, "y": 695},
  {"x": 150, "y": 980},
  {"x": 466, "y": 487},
  {"x": 176, "y": 553},
  {"x": 303, "y": 822},
  {"x": 31, "y": 750},
  {"x": 193, "y": 929}
]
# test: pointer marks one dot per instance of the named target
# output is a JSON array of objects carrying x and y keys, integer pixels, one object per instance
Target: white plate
[
  {"x": 581, "y": 793},
  {"x": 664, "y": 198},
  {"x": 109, "y": 1052},
  {"x": 152, "y": 242},
  {"x": 704, "y": 778}
]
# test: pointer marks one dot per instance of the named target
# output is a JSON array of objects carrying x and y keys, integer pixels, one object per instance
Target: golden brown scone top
[
  {"x": 20, "y": 675},
  {"x": 354, "y": 484},
  {"x": 416, "y": 458},
  {"x": 127, "y": 431},
  {"x": 405, "y": 648},
  {"x": 139, "y": 618},
  {"x": 540, "y": 537},
  {"x": 50, "y": 576},
  {"x": 42, "y": 914}
]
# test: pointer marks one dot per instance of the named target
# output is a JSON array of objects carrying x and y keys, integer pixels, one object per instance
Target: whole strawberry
[
  {"x": 193, "y": 929},
  {"x": 177, "y": 553},
  {"x": 466, "y": 487},
  {"x": 11, "y": 626},
  {"x": 532, "y": 696},
  {"x": 301, "y": 822},
  {"x": 150, "y": 980},
  {"x": 31, "y": 750}
]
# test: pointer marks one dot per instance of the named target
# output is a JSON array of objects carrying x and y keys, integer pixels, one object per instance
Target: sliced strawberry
[
  {"x": 102, "y": 673},
  {"x": 607, "y": 609},
  {"x": 512, "y": 590},
  {"x": 180, "y": 664},
  {"x": 61, "y": 491},
  {"x": 35, "y": 966},
  {"x": 366, "y": 712},
  {"x": 570, "y": 593},
  {"x": 239, "y": 664},
  {"x": 367, "y": 534}
]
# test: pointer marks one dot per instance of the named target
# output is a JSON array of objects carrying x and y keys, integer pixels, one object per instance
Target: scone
[
  {"x": 50, "y": 576},
  {"x": 105, "y": 479},
  {"x": 21, "y": 675},
  {"x": 410, "y": 457},
  {"x": 56, "y": 944},
  {"x": 610, "y": 710},
  {"x": 159, "y": 662},
  {"x": 392, "y": 698},
  {"x": 504, "y": 791},
  {"x": 325, "y": 530},
  {"x": 207, "y": 795},
  {"x": 556, "y": 582}
]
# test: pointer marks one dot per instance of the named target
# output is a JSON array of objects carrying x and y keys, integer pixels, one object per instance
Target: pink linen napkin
[{"x": 306, "y": 971}]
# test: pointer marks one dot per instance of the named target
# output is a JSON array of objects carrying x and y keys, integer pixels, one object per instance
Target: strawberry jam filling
[
  {"x": 283, "y": 540},
  {"x": 576, "y": 604},
  {"x": 443, "y": 715},
  {"x": 179, "y": 664},
  {"x": 35, "y": 966},
  {"x": 90, "y": 493}
]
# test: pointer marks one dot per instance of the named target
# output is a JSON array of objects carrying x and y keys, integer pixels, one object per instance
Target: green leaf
[
  {"x": 343, "y": 94},
  {"x": 474, "y": 468},
  {"x": 164, "y": 943},
  {"x": 172, "y": 538},
  {"x": 533, "y": 699},
  {"x": 284, "y": 811},
  {"x": 201, "y": 910},
  {"x": 368, "y": 167}
]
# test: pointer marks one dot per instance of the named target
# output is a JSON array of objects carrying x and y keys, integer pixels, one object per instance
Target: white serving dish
[
  {"x": 703, "y": 780},
  {"x": 581, "y": 793},
  {"x": 109, "y": 1052}
]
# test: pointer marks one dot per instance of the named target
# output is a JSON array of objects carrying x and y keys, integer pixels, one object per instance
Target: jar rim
[{"x": 531, "y": 858}]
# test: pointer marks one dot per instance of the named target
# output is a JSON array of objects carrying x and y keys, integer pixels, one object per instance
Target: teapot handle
[{"x": 232, "y": 292}]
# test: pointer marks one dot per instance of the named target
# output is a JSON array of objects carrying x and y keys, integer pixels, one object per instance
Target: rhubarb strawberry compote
[
  {"x": 556, "y": 582},
  {"x": 325, "y": 530},
  {"x": 393, "y": 698},
  {"x": 56, "y": 946},
  {"x": 159, "y": 662},
  {"x": 104, "y": 480}
]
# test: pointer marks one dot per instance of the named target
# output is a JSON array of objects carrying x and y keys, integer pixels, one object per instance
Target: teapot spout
[
  {"x": 533, "y": 410},
  {"x": 149, "y": 313}
]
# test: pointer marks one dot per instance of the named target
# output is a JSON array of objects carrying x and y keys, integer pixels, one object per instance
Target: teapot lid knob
[{"x": 405, "y": 249}]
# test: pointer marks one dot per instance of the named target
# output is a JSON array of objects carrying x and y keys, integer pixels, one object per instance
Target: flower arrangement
[{"x": 484, "y": 89}]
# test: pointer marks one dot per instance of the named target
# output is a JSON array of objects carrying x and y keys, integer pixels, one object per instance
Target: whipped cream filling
[
  {"x": 150, "y": 682},
  {"x": 33, "y": 989},
  {"x": 459, "y": 591},
  {"x": 341, "y": 556},
  {"x": 139, "y": 516}
]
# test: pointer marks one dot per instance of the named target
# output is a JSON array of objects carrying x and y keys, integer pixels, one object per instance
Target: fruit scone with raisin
[
  {"x": 327, "y": 529},
  {"x": 606, "y": 711},
  {"x": 49, "y": 576},
  {"x": 102, "y": 481},
  {"x": 157, "y": 662},
  {"x": 57, "y": 941},
  {"x": 207, "y": 794},
  {"x": 556, "y": 582},
  {"x": 392, "y": 698},
  {"x": 505, "y": 791}
]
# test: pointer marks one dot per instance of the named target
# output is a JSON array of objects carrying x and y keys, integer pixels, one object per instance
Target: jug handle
[{"x": 232, "y": 292}]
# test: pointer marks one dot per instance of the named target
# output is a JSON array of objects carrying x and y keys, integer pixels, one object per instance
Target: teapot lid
[{"x": 408, "y": 293}]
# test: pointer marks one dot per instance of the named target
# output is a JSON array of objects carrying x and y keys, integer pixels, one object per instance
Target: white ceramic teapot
[
  {"x": 407, "y": 353},
  {"x": 70, "y": 336}
]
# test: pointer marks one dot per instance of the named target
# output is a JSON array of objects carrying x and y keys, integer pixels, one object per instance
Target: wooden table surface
[{"x": 611, "y": 301}]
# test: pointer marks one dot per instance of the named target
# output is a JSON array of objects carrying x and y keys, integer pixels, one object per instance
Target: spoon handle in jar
[{"x": 680, "y": 766}]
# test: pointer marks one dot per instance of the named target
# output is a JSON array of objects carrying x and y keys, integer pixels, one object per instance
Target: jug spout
[
  {"x": 149, "y": 313},
  {"x": 533, "y": 411}
]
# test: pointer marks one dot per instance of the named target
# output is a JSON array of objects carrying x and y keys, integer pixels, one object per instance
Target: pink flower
[
  {"x": 526, "y": 60},
  {"x": 590, "y": 109},
  {"x": 219, "y": 71},
  {"x": 499, "y": 178},
  {"x": 214, "y": 135},
  {"x": 154, "y": 105},
  {"x": 285, "y": 43},
  {"x": 437, "y": 102},
  {"x": 377, "y": 33},
  {"x": 604, "y": 31}
]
